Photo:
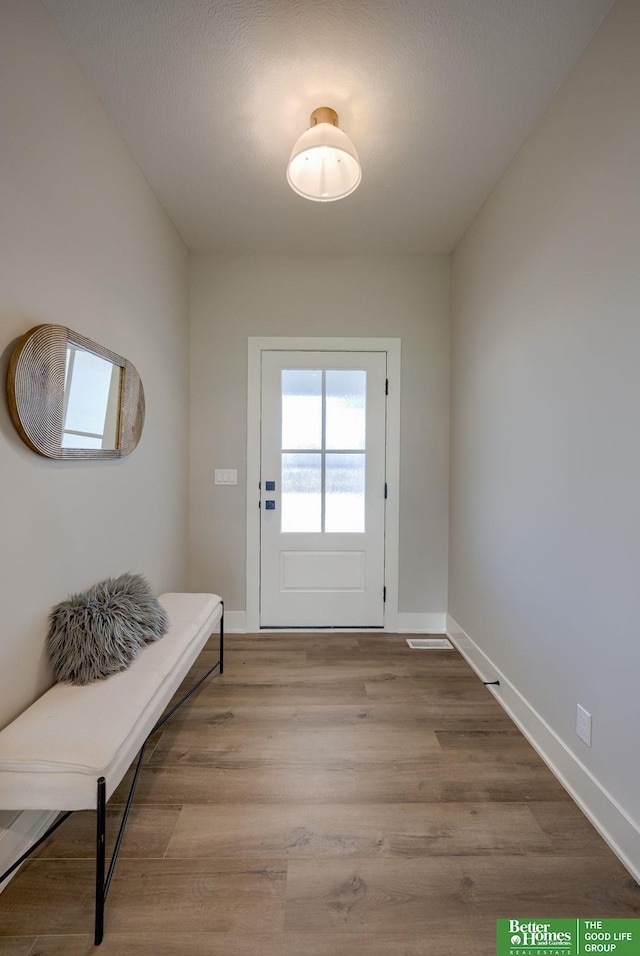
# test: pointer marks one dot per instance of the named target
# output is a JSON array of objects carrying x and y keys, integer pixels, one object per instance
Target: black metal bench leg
[
  {"x": 222, "y": 639},
  {"x": 101, "y": 819}
]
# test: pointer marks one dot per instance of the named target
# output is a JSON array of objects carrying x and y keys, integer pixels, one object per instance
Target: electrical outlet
[{"x": 583, "y": 725}]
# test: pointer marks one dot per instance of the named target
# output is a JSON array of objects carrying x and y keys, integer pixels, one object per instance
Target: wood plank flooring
[{"x": 329, "y": 795}]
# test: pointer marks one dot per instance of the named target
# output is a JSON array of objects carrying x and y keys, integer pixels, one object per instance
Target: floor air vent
[{"x": 430, "y": 644}]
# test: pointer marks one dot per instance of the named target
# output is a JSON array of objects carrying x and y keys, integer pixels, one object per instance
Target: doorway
[{"x": 322, "y": 479}]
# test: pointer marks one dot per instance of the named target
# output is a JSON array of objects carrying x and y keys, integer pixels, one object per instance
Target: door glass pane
[
  {"x": 346, "y": 408},
  {"x": 301, "y": 492},
  {"x": 301, "y": 408},
  {"x": 344, "y": 486}
]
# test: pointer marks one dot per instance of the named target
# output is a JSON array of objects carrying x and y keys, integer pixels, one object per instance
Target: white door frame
[{"x": 258, "y": 344}]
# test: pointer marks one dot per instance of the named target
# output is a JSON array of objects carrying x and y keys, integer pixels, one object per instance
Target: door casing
[{"x": 256, "y": 345}]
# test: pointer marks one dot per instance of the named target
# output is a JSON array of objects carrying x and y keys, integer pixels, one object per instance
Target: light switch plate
[{"x": 226, "y": 476}]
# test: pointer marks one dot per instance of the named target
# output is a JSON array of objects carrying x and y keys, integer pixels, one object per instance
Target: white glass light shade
[{"x": 324, "y": 164}]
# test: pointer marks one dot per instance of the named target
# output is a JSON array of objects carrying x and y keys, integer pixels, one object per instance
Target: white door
[{"x": 322, "y": 481}]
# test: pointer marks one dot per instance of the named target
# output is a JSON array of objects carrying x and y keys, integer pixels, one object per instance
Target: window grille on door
[{"x": 323, "y": 453}]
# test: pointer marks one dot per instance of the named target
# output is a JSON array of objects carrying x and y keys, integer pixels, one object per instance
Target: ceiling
[{"x": 437, "y": 95}]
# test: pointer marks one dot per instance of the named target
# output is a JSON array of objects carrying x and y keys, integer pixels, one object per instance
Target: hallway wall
[
  {"x": 236, "y": 296},
  {"x": 545, "y": 458},
  {"x": 83, "y": 243}
]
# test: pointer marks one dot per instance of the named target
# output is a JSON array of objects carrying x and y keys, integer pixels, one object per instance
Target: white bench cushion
[{"x": 52, "y": 755}]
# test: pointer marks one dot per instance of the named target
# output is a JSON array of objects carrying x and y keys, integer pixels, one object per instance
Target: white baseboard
[
  {"x": 21, "y": 833},
  {"x": 611, "y": 820},
  {"x": 427, "y": 622},
  {"x": 235, "y": 622}
]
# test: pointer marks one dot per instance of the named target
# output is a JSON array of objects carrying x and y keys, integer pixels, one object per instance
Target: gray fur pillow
[{"x": 100, "y": 631}]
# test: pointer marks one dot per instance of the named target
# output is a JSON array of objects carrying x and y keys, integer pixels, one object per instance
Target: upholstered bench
[{"x": 72, "y": 747}]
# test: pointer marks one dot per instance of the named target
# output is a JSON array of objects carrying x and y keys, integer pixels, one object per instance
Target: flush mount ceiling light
[{"x": 324, "y": 164}]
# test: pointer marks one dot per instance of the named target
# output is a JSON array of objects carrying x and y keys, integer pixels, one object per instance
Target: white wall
[
  {"x": 545, "y": 458},
  {"x": 83, "y": 243},
  {"x": 237, "y": 296}
]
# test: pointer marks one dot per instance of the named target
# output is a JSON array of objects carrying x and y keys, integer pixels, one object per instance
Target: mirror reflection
[
  {"x": 70, "y": 397},
  {"x": 91, "y": 400}
]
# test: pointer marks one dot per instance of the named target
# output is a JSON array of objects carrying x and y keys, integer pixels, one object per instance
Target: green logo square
[
  {"x": 537, "y": 937},
  {"x": 568, "y": 937}
]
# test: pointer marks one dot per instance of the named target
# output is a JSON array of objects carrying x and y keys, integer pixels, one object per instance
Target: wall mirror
[{"x": 72, "y": 398}]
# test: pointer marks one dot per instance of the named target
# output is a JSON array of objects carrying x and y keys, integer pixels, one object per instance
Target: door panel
[
  {"x": 323, "y": 424},
  {"x": 322, "y": 571}
]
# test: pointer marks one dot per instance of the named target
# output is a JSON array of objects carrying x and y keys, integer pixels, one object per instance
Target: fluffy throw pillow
[{"x": 100, "y": 631}]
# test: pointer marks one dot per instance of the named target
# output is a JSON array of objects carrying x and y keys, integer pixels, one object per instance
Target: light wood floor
[{"x": 329, "y": 796}]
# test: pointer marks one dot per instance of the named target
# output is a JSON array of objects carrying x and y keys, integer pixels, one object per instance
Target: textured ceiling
[{"x": 437, "y": 95}]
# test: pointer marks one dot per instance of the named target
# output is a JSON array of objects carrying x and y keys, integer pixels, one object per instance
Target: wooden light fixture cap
[{"x": 324, "y": 114}]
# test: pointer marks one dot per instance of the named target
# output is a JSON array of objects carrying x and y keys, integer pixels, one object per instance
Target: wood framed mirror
[{"x": 72, "y": 398}]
